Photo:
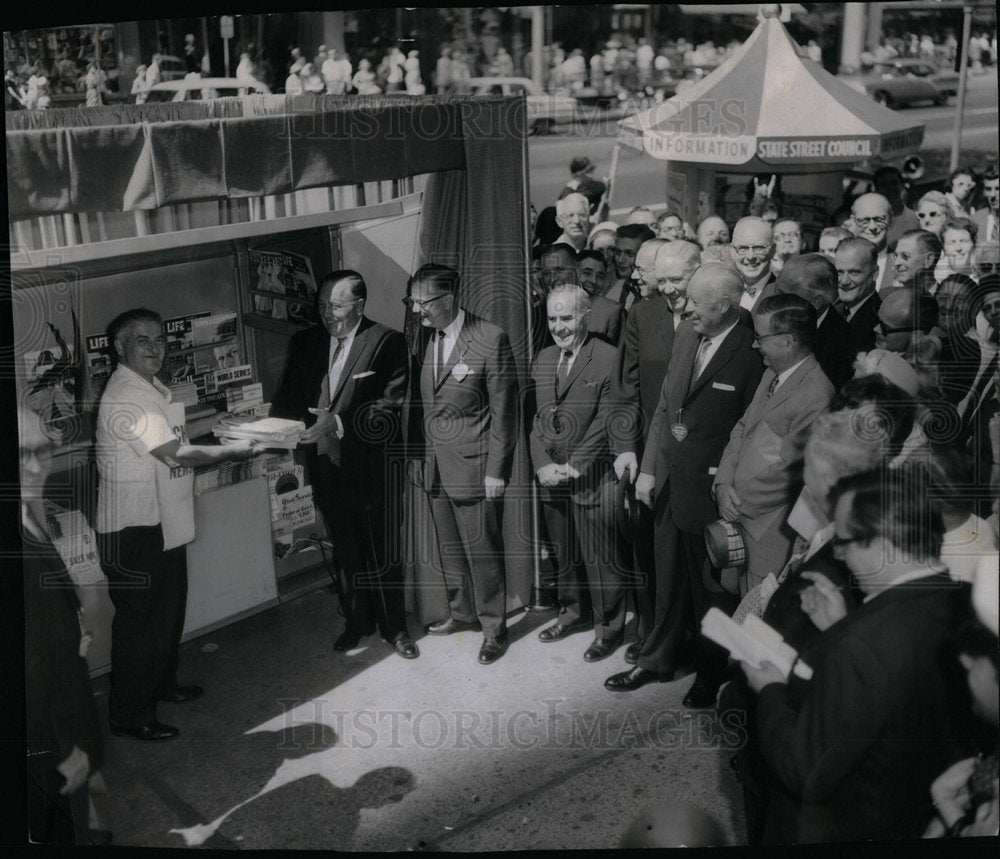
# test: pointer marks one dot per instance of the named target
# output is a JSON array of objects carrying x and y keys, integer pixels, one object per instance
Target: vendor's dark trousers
[
  {"x": 52, "y": 817},
  {"x": 685, "y": 591},
  {"x": 148, "y": 588},
  {"x": 469, "y": 538},
  {"x": 366, "y": 550},
  {"x": 590, "y": 570},
  {"x": 644, "y": 569}
]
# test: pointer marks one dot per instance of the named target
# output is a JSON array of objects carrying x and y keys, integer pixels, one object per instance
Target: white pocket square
[
  {"x": 722, "y": 386},
  {"x": 362, "y": 375}
]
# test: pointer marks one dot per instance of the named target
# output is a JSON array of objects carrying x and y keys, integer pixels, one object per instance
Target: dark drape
[
  {"x": 473, "y": 220},
  {"x": 160, "y": 154}
]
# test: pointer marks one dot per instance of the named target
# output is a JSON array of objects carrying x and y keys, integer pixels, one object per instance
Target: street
[{"x": 639, "y": 179}]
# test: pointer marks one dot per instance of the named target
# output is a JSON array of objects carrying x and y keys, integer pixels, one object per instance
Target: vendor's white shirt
[{"x": 131, "y": 422}]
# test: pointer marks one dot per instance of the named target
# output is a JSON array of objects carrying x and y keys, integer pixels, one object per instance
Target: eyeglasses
[
  {"x": 878, "y": 221},
  {"x": 885, "y": 332},
  {"x": 758, "y": 337},
  {"x": 42, "y": 453},
  {"x": 744, "y": 250},
  {"x": 415, "y": 304},
  {"x": 923, "y": 216},
  {"x": 844, "y": 541}
]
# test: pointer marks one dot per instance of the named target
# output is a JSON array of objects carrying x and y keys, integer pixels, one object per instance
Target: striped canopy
[{"x": 768, "y": 108}]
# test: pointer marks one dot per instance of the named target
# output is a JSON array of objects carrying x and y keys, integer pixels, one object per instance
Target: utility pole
[
  {"x": 853, "y": 35},
  {"x": 963, "y": 73},
  {"x": 537, "y": 45}
]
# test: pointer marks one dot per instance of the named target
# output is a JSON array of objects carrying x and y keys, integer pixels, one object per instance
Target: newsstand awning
[
  {"x": 128, "y": 157},
  {"x": 768, "y": 109}
]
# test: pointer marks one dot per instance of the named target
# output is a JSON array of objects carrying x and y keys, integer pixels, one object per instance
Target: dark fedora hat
[{"x": 627, "y": 510}]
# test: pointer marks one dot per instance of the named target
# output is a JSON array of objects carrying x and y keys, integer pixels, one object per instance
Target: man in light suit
[
  {"x": 760, "y": 474},
  {"x": 713, "y": 373},
  {"x": 643, "y": 358},
  {"x": 573, "y": 443},
  {"x": 348, "y": 378},
  {"x": 468, "y": 389}
]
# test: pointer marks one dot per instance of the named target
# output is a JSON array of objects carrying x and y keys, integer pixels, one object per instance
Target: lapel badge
[
  {"x": 460, "y": 371},
  {"x": 679, "y": 431}
]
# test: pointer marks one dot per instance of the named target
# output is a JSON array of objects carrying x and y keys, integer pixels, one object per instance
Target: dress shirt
[
  {"x": 883, "y": 259},
  {"x": 337, "y": 367},
  {"x": 751, "y": 294},
  {"x": 713, "y": 346},
  {"x": 451, "y": 332},
  {"x": 784, "y": 374},
  {"x": 906, "y": 577},
  {"x": 822, "y": 316}
]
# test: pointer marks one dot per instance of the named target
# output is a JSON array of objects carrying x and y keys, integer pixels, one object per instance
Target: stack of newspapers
[{"x": 268, "y": 432}]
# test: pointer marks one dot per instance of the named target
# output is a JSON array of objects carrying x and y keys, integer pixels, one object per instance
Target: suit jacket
[
  {"x": 855, "y": 748},
  {"x": 606, "y": 319},
  {"x": 368, "y": 399},
  {"x": 576, "y": 422},
  {"x": 711, "y": 407},
  {"x": 862, "y": 326},
  {"x": 61, "y": 712},
  {"x": 763, "y": 459},
  {"x": 471, "y": 414},
  {"x": 643, "y": 358},
  {"x": 832, "y": 348},
  {"x": 958, "y": 365}
]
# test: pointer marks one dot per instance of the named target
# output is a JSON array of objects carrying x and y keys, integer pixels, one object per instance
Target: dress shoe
[
  {"x": 632, "y": 652},
  {"x": 149, "y": 732},
  {"x": 702, "y": 694},
  {"x": 602, "y": 648},
  {"x": 449, "y": 625},
  {"x": 181, "y": 694},
  {"x": 348, "y": 640},
  {"x": 558, "y": 631},
  {"x": 404, "y": 646},
  {"x": 634, "y": 679},
  {"x": 493, "y": 648}
]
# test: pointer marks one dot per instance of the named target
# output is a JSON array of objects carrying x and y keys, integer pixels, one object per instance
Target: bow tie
[{"x": 750, "y": 290}]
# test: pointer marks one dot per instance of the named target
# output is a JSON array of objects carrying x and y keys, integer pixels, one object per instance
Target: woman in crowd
[
  {"x": 932, "y": 211},
  {"x": 958, "y": 239},
  {"x": 960, "y": 191}
]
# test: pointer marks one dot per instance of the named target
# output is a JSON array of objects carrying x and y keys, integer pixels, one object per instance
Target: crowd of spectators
[{"x": 855, "y": 512}]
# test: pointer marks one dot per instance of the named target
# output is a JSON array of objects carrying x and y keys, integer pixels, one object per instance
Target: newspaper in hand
[{"x": 269, "y": 432}]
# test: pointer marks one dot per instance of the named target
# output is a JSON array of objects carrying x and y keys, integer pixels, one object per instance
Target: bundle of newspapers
[{"x": 268, "y": 432}]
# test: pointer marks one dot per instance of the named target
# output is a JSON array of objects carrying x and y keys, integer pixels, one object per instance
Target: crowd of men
[{"x": 716, "y": 419}]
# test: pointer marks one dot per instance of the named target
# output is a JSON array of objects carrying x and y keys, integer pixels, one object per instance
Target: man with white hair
[
  {"x": 713, "y": 373},
  {"x": 643, "y": 359},
  {"x": 871, "y": 216},
  {"x": 573, "y": 216},
  {"x": 641, "y": 215},
  {"x": 573, "y": 443},
  {"x": 753, "y": 250}
]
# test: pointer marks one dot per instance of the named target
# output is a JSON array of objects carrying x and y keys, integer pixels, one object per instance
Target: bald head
[
  {"x": 712, "y": 231},
  {"x": 812, "y": 277},
  {"x": 872, "y": 217}
]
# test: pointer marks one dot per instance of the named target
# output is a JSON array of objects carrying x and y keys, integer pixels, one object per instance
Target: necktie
[
  {"x": 329, "y": 385},
  {"x": 772, "y": 386},
  {"x": 438, "y": 357},
  {"x": 840, "y": 307},
  {"x": 699, "y": 359},
  {"x": 995, "y": 231},
  {"x": 562, "y": 373}
]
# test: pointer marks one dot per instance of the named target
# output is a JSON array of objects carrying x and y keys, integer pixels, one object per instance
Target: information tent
[
  {"x": 768, "y": 109},
  {"x": 238, "y": 206}
]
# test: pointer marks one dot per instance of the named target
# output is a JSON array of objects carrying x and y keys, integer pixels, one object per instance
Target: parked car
[
  {"x": 900, "y": 82},
  {"x": 198, "y": 89},
  {"x": 544, "y": 110}
]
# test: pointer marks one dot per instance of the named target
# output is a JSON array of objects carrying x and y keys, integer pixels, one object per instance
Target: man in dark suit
[
  {"x": 63, "y": 731},
  {"x": 840, "y": 745},
  {"x": 856, "y": 260},
  {"x": 987, "y": 219},
  {"x": 573, "y": 443},
  {"x": 814, "y": 278},
  {"x": 643, "y": 358},
  {"x": 468, "y": 389},
  {"x": 714, "y": 371},
  {"x": 348, "y": 379}
]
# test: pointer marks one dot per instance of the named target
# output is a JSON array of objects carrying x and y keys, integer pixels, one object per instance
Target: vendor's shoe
[
  {"x": 181, "y": 694},
  {"x": 404, "y": 646},
  {"x": 602, "y": 648},
  {"x": 493, "y": 648}
]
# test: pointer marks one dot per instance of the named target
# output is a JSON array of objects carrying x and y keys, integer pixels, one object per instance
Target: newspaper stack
[
  {"x": 269, "y": 432},
  {"x": 184, "y": 392}
]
